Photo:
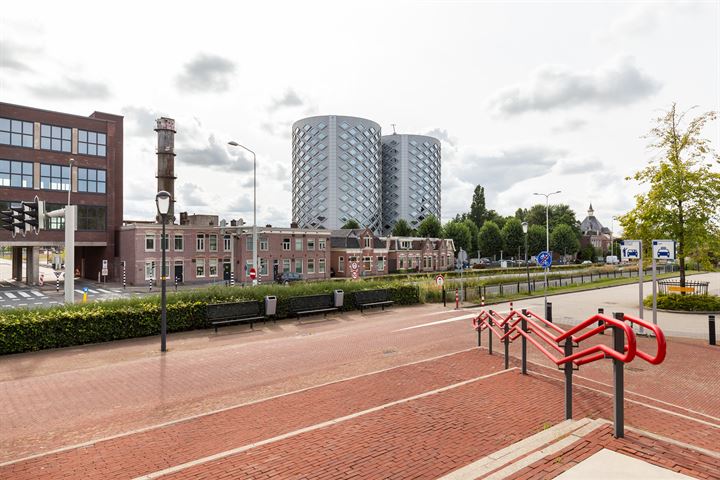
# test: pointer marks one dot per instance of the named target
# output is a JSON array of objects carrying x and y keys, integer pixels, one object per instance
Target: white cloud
[
  {"x": 206, "y": 73},
  {"x": 555, "y": 87}
]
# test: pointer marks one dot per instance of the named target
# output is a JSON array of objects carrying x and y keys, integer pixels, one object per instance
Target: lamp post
[
  {"x": 254, "y": 227},
  {"x": 547, "y": 233},
  {"x": 162, "y": 201},
  {"x": 527, "y": 267}
]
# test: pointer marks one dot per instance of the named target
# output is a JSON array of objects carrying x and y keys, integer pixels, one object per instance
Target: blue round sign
[{"x": 544, "y": 259}]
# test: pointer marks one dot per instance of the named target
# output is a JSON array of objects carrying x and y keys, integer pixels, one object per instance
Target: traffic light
[
  {"x": 18, "y": 219},
  {"x": 33, "y": 215},
  {"x": 6, "y": 216}
]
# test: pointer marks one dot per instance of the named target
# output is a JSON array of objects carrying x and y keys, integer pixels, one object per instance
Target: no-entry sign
[{"x": 253, "y": 273}]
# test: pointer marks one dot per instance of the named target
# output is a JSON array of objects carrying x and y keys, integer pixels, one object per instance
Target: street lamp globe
[
  {"x": 162, "y": 201},
  {"x": 525, "y": 227}
]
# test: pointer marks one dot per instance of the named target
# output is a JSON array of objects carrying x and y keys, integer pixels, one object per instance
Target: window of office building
[
  {"x": 213, "y": 240},
  {"x": 179, "y": 243},
  {"x": 91, "y": 218},
  {"x": 321, "y": 265},
  {"x": 16, "y": 133},
  {"x": 199, "y": 267},
  {"x": 92, "y": 143},
  {"x": 311, "y": 265},
  {"x": 91, "y": 180},
  {"x": 311, "y": 244},
  {"x": 321, "y": 244},
  {"x": 16, "y": 174},
  {"x": 200, "y": 242},
  {"x": 54, "y": 177},
  {"x": 54, "y": 223},
  {"x": 58, "y": 139},
  {"x": 213, "y": 267}
]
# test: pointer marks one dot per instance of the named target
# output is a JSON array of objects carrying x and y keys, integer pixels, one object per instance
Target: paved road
[{"x": 575, "y": 307}]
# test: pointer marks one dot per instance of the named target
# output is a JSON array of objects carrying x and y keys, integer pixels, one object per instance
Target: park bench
[
  {"x": 372, "y": 298},
  {"x": 309, "y": 304},
  {"x": 234, "y": 312}
]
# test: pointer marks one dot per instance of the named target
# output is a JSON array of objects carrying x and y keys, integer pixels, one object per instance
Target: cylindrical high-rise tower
[
  {"x": 165, "y": 128},
  {"x": 411, "y": 179},
  {"x": 336, "y": 172}
]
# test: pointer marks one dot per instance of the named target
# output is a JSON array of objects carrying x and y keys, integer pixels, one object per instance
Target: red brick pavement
[
  {"x": 422, "y": 438},
  {"x": 657, "y": 452}
]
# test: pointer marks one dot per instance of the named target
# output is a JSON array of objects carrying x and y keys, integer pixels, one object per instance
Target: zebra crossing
[{"x": 32, "y": 298}]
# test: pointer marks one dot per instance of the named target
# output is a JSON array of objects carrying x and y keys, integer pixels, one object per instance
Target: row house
[
  {"x": 358, "y": 251},
  {"x": 416, "y": 254}
]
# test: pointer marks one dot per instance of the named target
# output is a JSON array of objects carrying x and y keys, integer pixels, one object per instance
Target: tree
[
  {"x": 489, "y": 239},
  {"x": 351, "y": 224},
  {"x": 536, "y": 239},
  {"x": 563, "y": 240},
  {"x": 460, "y": 233},
  {"x": 430, "y": 227},
  {"x": 513, "y": 237},
  {"x": 478, "y": 211},
  {"x": 473, "y": 247},
  {"x": 402, "y": 229},
  {"x": 588, "y": 252},
  {"x": 557, "y": 214},
  {"x": 682, "y": 202}
]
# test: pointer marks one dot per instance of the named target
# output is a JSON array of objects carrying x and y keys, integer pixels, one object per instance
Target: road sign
[
  {"x": 544, "y": 259},
  {"x": 440, "y": 280},
  {"x": 105, "y": 264},
  {"x": 57, "y": 274},
  {"x": 104, "y": 272},
  {"x": 253, "y": 273},
  {"x": 663, "y": 249},
  {"x": 354, "y": 267},
  {"x": 630, "y": 250}
]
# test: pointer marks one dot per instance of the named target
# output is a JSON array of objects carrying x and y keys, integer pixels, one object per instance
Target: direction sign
[
  {"x": 253, "y": 273},
  {"x": 663, "y": 249},
  {"x": 440, "y": 280},
  {"x": 630, "y": 250},
  {"x": 544, "y": 259}
]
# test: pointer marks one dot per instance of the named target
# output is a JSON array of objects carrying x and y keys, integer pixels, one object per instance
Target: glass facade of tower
[
  {"x": 336, "y": 172},
  {"x": 411, "y": 179}
]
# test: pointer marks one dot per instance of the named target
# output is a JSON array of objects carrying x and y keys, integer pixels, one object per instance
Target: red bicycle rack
[{"x": 562, "y": 346}]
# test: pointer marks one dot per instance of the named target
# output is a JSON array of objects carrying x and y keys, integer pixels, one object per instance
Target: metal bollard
[
  {"x": 711, "y": 329},
  {"x": 523, "y": 343},
  {"x": 176, "y": 282},
  {"x": 548, "y": 312},
  {"x": 457, "y": 299},
  {"x": 490, "y": 322},
  {"x": 444, "y": 298},
  {"x": 601, "y": 311},
  {"x": 568, "y": 350},
  {"x": 506, "y": 329},
  {"x": 619, "y": 379}
]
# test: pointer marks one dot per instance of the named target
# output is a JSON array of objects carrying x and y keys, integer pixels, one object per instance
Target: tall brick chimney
[{"x": 165, "y": 128}]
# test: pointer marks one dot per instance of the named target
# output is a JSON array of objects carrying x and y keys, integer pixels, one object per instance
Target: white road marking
[
  {"x": 104, "y": 291},
  {"x": 24, "y": 294},
  {"x": 92, "y": 291},
  {"x": 328, "y": 423},
  {"x": 37, "y": 294},
  {"x": 439, "y": 322},
  {"x": 10, "y": 295},
  {"x": 225, "y": 409},
  {"x": 79, "y": 291}
]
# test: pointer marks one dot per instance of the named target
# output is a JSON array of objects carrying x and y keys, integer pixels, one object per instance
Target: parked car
[
  {"x": 663, "y": 252},
  {"x": 586, "y": 262},
  {"x": 289, "y": 277}
]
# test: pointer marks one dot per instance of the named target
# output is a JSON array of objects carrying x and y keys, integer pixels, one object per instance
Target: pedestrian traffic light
[
  {"x": 8, "y": 220},
  {"x": 18, "y": 219}
]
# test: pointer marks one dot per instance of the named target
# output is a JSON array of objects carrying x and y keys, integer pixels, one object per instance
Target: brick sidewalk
[{"x": 420, "y": 438}]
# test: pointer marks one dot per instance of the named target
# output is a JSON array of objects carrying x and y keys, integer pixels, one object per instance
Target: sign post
[
  {"x": 104, "y": 270},
  {"x": 253, "y": 274},
  {"x": 462, "y": 259},
  {"x": 544, "y": 259},
  {"x": 662, "y": 249},
  {"x": 439, "y": 281},
  {"x": 354, "y": 268},
  {"x": 632, "y": 250}
]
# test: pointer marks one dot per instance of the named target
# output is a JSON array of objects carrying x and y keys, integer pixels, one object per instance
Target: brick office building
[{"x": 46, "y": 154}]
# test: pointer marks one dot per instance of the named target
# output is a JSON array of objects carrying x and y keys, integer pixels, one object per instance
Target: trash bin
[
  {"x": 270, "y": 305},
  {"x": 338, "y": 298}
]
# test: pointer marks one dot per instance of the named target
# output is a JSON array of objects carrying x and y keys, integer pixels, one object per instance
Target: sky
[{"x": 526, "y": 97}]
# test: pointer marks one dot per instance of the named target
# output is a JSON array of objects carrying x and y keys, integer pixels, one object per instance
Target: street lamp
[
  {"x": 254, "y": 227},
  {"x": 527, "y": 266},
  {"x": 547, "y": 234},
  {"x": 162, "y": 201}
]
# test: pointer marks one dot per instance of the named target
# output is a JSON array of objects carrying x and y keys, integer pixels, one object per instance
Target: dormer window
[{"x": 368, "y": 242}]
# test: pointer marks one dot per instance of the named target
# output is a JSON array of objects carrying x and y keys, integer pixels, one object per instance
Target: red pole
[{"x": 482, "y": 301}]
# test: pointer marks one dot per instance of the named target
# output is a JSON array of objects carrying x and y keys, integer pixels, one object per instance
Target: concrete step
[{"x": 511, "y": 459}]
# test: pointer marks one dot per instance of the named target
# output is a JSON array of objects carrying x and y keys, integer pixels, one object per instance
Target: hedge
[
  {"x": 23, "y": 330},
  {"x": 686, "y": 303}
]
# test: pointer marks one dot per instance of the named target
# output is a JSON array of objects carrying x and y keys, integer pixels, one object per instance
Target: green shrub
[
  {"x": 24, "y": 330},
  {"x": 687, "y": 303}
]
